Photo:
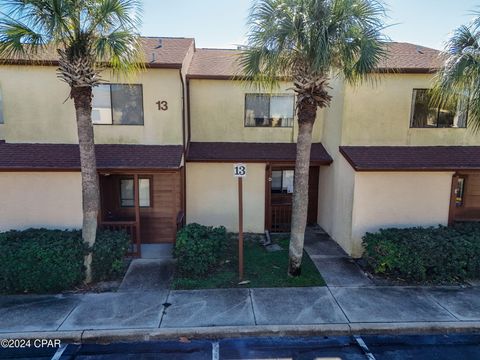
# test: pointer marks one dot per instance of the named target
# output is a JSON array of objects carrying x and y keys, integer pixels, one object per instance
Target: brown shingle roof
[
  {"x": 412, "y": 158},
  {"x": 251, "y": 152},
  {"x": 410, "y": 57},
  {"x": 158, "y": 51},
  {"x": 222, "y": 63},
  {"x": 18, "y": 156}
]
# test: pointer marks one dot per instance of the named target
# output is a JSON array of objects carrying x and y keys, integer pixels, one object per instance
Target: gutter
[{"x": 184, "y": 147}]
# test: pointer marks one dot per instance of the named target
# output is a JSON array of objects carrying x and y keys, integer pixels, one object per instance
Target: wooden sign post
[{"x": 240, "y": 171}]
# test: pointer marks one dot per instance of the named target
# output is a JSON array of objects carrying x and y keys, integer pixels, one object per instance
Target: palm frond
[
  {"x": 18, "y": 41},
  {"x": 313, "y": 38},
  {"x": 86, "y": 33},
  {"x": 459, "y": 78}
]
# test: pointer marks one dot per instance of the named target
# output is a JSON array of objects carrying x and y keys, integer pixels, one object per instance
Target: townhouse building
[{"x": 381, "y": 155}]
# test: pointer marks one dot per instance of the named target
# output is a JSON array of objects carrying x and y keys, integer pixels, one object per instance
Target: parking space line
[
  {"x": 58, "y": 354},
  {"x": 215, "y": 350},
  {"x": 364, "y": 347}
]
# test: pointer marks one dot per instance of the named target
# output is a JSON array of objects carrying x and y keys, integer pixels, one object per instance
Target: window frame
[
  {"x": 281, "y": 191},
  {"x": 2, "y": 108},
  {"x": 111, "y": 105},
  {"x": 269, "y": 99},
  {"x": 437, "y": 115},
  {"x": 464, "y": 179},
  {"x": 140, "y": 177}
]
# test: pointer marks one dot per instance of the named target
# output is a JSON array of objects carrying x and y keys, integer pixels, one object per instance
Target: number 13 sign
[{"x": 239, "y": 170}]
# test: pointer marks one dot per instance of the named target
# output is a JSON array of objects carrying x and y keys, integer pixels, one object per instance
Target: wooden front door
[
  {"x": 465, "y": 197},
  {"x": 279, "y": 190}
]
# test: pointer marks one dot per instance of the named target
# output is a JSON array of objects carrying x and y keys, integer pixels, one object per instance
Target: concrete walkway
[
  {"x": 365, "y": 307},
  {"x": 336, "y": 267}
]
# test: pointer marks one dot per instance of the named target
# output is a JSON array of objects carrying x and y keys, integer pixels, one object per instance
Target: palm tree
[
  {"x": 88, "y": 36},
  {"x": 310, "y": 41},
  {"x": 458, "y": 81}
]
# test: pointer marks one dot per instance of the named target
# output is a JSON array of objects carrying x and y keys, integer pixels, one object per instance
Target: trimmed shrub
[
  {"x": 44, "y": 261},
  {"x": 435, "y": 254},
  {"x": 108, "y": 254},
  {"x": 41, "y": 260},
  {"x": 199, "y": 248}
]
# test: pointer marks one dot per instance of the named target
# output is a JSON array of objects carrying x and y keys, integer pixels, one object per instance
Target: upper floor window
[
  {"x": 424, "y": 115},
  {"x": 117, "y": 104},
  {"x": 269, "y": 110},
  {"x": 1, "y": 107}
]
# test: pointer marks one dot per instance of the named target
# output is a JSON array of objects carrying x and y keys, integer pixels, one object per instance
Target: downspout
[
  {"x": 184, "y": 152},
  {"x": 189, "y": 134}
]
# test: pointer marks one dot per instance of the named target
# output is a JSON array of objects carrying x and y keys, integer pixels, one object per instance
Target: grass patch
[{"x": 262, "y": 269}]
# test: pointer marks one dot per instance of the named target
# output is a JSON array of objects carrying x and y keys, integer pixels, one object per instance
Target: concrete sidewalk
[{"x": 334, "y": 309}]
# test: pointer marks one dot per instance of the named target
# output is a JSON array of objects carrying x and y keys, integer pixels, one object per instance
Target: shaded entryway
[{"x": 278, "y": 199}]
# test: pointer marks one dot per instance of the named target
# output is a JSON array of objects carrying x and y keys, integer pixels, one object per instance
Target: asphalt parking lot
[{"x": 438, "y": 347}]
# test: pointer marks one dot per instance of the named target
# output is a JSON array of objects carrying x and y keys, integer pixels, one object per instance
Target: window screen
[
  {"x": 101, "y": 105},
  {"x": 117, "y": 104},
  {"x": 424, "y": 114},
  {"x": 269, "y": 111},
  {"x": 127, "y": 104}
]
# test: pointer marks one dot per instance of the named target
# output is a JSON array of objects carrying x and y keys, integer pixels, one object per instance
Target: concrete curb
[{"x": 140, "y": 335}]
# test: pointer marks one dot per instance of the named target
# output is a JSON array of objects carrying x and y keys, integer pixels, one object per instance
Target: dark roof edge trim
[
  {"x": 55, "y": 63},
  {"x": 400, "y": 169},
  {"x": 77, "y": 169},
  {"x": 345, "y": 155},
  {"x": 315, "y": 162},
  {"x": 406, "y": 70}
]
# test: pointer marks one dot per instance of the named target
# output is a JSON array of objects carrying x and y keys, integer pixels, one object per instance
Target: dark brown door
[
  {"x": 279, "y": 189},
  {"x": 313, "y": 196}
]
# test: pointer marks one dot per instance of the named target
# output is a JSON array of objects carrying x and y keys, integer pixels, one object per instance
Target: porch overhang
[
  {"x": 412, "y": 158},
  {"x": 253, "y": 152},
  {"x": 110, "y": 157}
]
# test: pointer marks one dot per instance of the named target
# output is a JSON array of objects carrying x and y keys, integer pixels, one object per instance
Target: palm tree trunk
[
  {"x": 82, "y": 97},
  {"x": 306, "y": 118}
]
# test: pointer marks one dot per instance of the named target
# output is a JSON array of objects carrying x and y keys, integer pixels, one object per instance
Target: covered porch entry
[
  {"x": 278, "y": 196},
  {"x": 147, "y": 205}
]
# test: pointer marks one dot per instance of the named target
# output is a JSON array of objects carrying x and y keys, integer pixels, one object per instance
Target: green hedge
[
  {"x": 199, "y": 248},
  {"x": 43, "y": 261},
  {"x": 108, "y": 254},
  {"x": 40, "y": 260},
  {"x": 436, "y": 254}
]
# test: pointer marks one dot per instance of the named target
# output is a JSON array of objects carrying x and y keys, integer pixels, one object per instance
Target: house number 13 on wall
[{"x": 162, "y": 105}]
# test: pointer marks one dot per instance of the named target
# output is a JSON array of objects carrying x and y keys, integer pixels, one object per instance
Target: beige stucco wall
[
  {"x": 379, "y": 114},
  {"x": 212, "y": 196},
  {"x": 2, "y": 132},
  {"x": 40, "y": 199},
  {"x": 336, "y": 182},
  {"x": 398, "y": 199},
  {"x": 217, "y": 109},
  {"x": 336, "y": 188},
  {"x": 37, "y": 109}
]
